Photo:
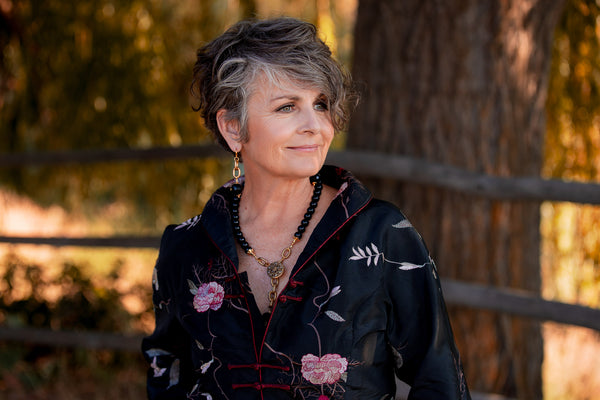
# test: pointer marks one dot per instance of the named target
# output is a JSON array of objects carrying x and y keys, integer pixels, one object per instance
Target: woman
[{"x": 294, "y": 283}]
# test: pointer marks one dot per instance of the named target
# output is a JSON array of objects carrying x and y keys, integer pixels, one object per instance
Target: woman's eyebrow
[{"x": 285, "y": 97}]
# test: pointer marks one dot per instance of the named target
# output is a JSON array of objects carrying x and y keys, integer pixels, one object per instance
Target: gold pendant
[{"x": 275, "y": 270}]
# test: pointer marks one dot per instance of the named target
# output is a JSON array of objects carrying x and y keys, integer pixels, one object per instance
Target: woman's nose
[{"x": 310, "y": 121}]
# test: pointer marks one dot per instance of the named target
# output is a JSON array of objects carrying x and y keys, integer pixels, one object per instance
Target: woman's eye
[
  {"x": 321, "y": 106},
  {"x": 286, "y": 108}
]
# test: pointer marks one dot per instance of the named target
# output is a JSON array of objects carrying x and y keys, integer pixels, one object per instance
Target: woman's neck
[{"x": 275, "y": 201}]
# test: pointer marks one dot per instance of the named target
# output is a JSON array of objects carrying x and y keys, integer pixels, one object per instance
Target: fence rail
[
  {"x": 116, "y": 241},
  {"x": 425, "y": 172},
  {"x": 94, "y": 156},
  {"x": 519, "y": 303},
  {"x": 72, "y": 339},
  {"x": 403, "y": 168}
]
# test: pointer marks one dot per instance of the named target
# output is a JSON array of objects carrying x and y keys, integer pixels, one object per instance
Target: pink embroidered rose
[
  {"x": 209, "y": 296},
  {"x": 327, "y": 369}
]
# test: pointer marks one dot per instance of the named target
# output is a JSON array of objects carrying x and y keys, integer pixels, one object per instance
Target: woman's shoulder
[
  {"x": 177, "y": 235},
  {"x": 383, "y": 212},
  {"x": 383, "y": 222}
]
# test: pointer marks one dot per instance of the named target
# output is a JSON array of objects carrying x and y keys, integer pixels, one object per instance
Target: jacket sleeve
[
  {"x": 167, "y": 349},
  {"x": 419, "y": 332}
]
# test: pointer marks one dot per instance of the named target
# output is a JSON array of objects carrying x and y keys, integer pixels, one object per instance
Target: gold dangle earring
[{"x": 236, "y": 167}]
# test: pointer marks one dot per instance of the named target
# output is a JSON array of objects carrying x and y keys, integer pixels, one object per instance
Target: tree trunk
[{"x": 464, "y": 83}]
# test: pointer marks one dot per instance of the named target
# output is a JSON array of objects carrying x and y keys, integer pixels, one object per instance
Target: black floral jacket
[{"x": 363, "y": 305}]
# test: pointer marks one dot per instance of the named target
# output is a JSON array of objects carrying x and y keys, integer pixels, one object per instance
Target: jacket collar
[{"x": 352, "y": 196}]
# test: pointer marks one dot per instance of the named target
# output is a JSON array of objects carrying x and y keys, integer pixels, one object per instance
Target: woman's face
[{"x": 289, "y": 131}]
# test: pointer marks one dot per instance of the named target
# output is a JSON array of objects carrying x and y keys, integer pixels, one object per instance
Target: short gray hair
[{"x": 280, "y": 48}]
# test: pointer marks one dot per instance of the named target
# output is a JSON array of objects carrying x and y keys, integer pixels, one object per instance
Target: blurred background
[{"x": 100, "y": 150}]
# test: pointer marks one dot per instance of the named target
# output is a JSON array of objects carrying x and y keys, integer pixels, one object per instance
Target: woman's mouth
[{"x": 308, "y": 147}]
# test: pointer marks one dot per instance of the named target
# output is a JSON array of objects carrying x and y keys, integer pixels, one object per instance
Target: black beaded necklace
[{"x": 275, "y": 269}]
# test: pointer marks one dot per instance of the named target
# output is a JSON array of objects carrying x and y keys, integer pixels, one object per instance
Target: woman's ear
[{"x": 230, "y": 130}]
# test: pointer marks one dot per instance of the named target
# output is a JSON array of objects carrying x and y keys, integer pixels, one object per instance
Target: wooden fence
[{"x": 389, "y": 166}]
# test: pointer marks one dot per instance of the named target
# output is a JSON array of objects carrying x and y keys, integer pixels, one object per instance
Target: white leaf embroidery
[
  {"x": 193, "y": 287},
  {"x": 189, "y": 223},
  {"x": 204, "y": 367},
  {"x": 371, "y": 253},
  {"x": 334, "y": 316},
  {"x": 158, "y": 372},
  {"x": 174, "y": 374},
  {"x": 406, "y": 266},
  {"x": 335, "y": 291},
  {"x": 155, "y": 278},
  {"x": 341, "y": 189},
  {"x": 402, "y": 224},
  {"x": 376, "y": 260},
  {"x": 375, "y": 249},
  {"x": 397, "y": 357},
  {"x": 157, "y": 352}
]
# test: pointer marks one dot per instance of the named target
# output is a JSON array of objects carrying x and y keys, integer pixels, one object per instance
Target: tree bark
[{"x": 464, "y": 82}]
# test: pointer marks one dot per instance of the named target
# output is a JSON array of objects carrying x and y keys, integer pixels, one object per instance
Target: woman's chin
[{"x": 307, "y": 170}]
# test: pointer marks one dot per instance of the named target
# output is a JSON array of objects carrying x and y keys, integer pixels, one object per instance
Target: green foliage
[
  {"x": 34, "y": 372},
  {"x": 571, "y": 233},
  {"x": 68, "y": 300},
  {"x": 104, "y": 74},
  {"x": 573, "y": 134}
]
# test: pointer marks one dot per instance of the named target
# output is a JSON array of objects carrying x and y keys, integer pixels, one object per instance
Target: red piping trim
[
  {"x": 293, "y": 283},
  {"x": 256, "y": 351},
  {"x": 285, "y": 298},
  {"x": 262, "y": 343}
]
